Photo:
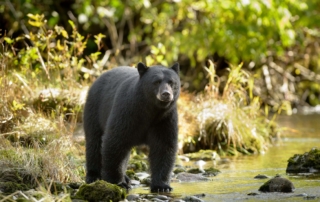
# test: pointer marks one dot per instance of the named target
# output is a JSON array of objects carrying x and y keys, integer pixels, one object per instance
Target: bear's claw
[{"x": 157, "y": 189}]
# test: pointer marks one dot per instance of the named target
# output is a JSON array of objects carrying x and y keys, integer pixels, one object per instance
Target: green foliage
[
  {"x": 100, "y": 191},
  {"x": 254, "y": 32}
]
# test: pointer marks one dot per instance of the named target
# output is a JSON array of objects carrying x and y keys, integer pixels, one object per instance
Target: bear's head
[{"x": 161, "y": 84}]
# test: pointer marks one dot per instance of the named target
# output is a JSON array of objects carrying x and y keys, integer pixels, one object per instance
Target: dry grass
[{"x": 229, "y": 121}]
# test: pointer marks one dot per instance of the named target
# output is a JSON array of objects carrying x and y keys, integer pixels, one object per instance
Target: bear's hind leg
[
  {"x": 93, "y": 152},
  {"x": 114, "y": 162}
]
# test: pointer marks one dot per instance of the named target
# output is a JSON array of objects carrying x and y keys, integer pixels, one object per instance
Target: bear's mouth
[{"x": 165, "y": 100}]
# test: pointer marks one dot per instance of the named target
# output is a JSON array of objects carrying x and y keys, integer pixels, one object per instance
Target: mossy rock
[
  {"x": 209, "y": 172},
  {"x": 100, "y": 191},
  {"x": 146, "y": 181},
  {"x": 132, "y": 175},
  {"x": 194, "y": 171},
  {"x": 179, "y": 170},
  {"x": 13, "y": 179},
  {"x": 308, "y": 162},
  {"x": 205, "y": 155},
  {"x": 10, "y": 187},
  {"x": 137, "y": 165}
]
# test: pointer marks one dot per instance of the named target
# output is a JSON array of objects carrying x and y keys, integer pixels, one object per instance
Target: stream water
[{"x": 236, "y": 179}]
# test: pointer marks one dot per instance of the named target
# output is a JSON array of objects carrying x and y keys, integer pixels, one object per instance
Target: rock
[
  {"x": 205, "y": 155},
  {"x": 209, "y": 172},
  {"x": 178, "y": 200},
  {"x": 309, "y": 197},
  {"x": 146, "y": 181},
  {"x": 261, "y": 177},
  {"x": 277, "y": 184},
  {"x": 100, "y": 191},
  {"x": 137, "y": 165},
  {"x": 192, "y": 199},
  {"x": 142, "y": 175},
  {"x": 157, "y": 200},
  {"x": 135, "y": 182},
  {"x": 161, "y": 197},
  {"x": 133, "y": 197},
  {"x": 179, "y": 170},
  {"x": 183, "y": 158},
  {"x": 189, "y": 177},
  {"x": 195, "y": 171},
  {"x": 308, "y": 162},
  {"x": 253, "y": 194},
  {"x": 13, "y": 179}
]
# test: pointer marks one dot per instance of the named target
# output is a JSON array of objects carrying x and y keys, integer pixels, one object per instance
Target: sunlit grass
[{"x": 230, "y": 121}]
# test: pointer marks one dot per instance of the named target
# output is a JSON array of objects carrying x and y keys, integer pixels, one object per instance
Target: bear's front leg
[
  {"x": 163, "y": 148},
  {"x": 114, "y": 161}
]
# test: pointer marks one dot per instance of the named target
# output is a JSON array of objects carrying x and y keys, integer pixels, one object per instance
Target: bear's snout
[
  {"x": 166, "y": 96},
  {"x": 165, "y": 93}
]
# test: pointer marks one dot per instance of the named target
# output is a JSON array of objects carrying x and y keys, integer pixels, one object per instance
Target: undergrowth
[
  {"x": 228, "y": 121},
  {"x": 42, "y": 90}
]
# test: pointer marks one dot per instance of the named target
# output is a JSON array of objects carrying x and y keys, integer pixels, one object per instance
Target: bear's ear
[
  {"x": 142, "y": 68},
  {"x": 176, "y": 68}
]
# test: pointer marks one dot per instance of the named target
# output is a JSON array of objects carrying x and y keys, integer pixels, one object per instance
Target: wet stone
[
  {"x": 189, "y": 177},
  {"x": 133, "y": 197},
  {"x": 192, "y": 198},
  {"x": 309, "y": 197},
  {"x": 261, "y": 177},
  {"x": 161, "y": 197},
  {"x": 277, "y": 184},
  {"x": 253, "y": 194},
  {"x": 135, "y": 182},
  {"x": 308, "y": 162}
]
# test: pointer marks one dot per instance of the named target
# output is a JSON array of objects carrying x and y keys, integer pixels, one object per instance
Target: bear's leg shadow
[{"x": 93, "y": 151}]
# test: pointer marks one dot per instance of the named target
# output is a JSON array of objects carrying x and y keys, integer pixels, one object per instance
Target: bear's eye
[
  {"x": 157, "y": 82},
  {"x": 170, "y": 83}
]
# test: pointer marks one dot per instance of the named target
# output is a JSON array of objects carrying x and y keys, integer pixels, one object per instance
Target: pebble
[
  {"x": 157, "y": 200},
  {"x": 193, "y": 199},
  {"x": 253, "y": 194},
  {"x": 178, "y": 200},
  {"x": 133, "y": 197},
  {"x": 189, "y": 177},
  {"x": 309, "y": 197},
  {"x": 161, "y": 197},
  {"x": 142, "y": 175},
  {"x": 135, "y": 182},
  {"x": 260, "y": 176},
  {"x": 303, "y": 194}
]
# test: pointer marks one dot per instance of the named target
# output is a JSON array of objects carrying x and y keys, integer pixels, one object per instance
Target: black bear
[{"x": 127, "y": 107}]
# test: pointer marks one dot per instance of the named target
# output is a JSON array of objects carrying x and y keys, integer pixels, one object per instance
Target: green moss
[
  {"x": 146, "y": 181},
  {"x": 14, "y": 179},
  {"x": 179, "y": 170},
  {"x": 305, "y": 162},
  {"x": 137, "y": 165},
  {"x": 10, "y": 187},
  {"x": 8, "y": 154},
  {"x": 100, "y": 191},
  {"x": 203, "y": 155},
  {"x": 194, "y": 170},
  {"x": 132, "y": 175},
  {"x": 211, "y": 171}
]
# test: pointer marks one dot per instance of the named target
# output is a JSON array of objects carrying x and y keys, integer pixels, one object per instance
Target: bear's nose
[{"x": 166, "y": 96}]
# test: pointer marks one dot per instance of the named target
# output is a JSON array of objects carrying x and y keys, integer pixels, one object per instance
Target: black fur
[{"x": 127, "y": 107}]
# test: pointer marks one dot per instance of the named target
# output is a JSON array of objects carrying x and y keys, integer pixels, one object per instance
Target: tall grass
[
  {"x": 36, "y": 131},
  {"x": 229, "y": 120}
]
